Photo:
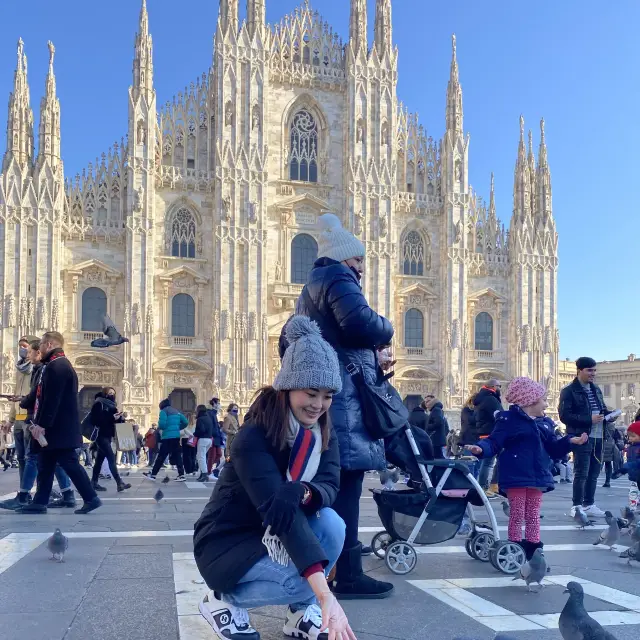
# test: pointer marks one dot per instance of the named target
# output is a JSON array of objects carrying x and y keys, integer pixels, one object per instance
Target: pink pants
[{"x": 525, "y": 507}]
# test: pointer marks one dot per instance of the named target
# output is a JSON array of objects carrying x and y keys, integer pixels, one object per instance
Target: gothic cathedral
[{"x": 197, "y": 231}]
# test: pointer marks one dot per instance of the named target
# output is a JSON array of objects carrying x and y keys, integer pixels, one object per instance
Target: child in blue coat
[
  {"x": 526, "y": 446},
  {"x": 632, "y": 465}
]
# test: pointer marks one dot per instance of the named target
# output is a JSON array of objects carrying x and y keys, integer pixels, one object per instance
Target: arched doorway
[
  {"x": 184, "y": 400},
  {"x": 412, "y": 401},
  {"x": 86, "y": 398}
]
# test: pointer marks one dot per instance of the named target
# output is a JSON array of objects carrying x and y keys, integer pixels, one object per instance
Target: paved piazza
[{"x": 129, "y": 573}]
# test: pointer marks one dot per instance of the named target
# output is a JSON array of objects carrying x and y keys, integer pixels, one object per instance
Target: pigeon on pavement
[
  {"x": 113, "y": 339},
  {"x": 581, "y": 518},
  {"x": 535, "y": 570},
  {"x": 632, "y": 553},
  {"x": 575, "y": 623},
  {"x": 57, "y": 544},
  {"x": 506, "y": 507},
  {"x": 611, "y": 534},
  {"x": 628, "y": 514},
  {"x": 158, "y": 495},
  {"x": 166, "y": 480}
]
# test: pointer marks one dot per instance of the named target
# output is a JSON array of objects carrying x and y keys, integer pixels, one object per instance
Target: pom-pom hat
[
  {"x": 309, "y": 362},
  {"x": 335, "y": 242},
  {"x": 524, "y": 392}
]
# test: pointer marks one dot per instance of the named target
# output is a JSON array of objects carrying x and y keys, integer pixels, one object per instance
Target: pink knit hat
[{"x": 524, "y": 392}]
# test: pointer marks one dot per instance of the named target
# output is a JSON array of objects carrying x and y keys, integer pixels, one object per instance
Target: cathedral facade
[{"x": 197, "y": 231}]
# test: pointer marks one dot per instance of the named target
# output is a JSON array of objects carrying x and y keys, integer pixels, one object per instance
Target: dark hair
[
  {"x": 214, "y": 401},
  {"x": 585, "y": 363},
  {"x": 233, "y": 404},
  {"x": 105, "y": 390},
  {"x": 271, "y": 410},
  {"x": 35, "y": 345},
  {"x": 201, "y": 410}
]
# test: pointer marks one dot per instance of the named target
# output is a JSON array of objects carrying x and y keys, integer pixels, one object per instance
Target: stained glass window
[{"x": 303, "y": 158}]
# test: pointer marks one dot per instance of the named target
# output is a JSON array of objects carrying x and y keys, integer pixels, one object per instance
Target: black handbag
[
  {"x": 383, "y": 411},
  {"x": 89, "y": 431}
]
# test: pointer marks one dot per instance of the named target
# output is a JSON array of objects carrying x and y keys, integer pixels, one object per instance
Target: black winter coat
[
  {"x": 437, "y": 426},
  {"x": 346, "y": 319},
  {"x": 204, "y": 427},
  {"x": 217, "y": 433},
  {"x": 487, "y": 402},
  {"x": 574, "y": 408},
  {"x": 103, "y": 416},
  {"x": 469, "y": 433},
  {"x": 228, "y": 536},
  {"x": 418, "y": 418},
  {"x": 58, "y": 404}
]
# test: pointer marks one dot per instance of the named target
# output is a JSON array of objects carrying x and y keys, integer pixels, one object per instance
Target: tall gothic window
[
  {"x": 94, "y": 308},
  {"x": 413, "y": 254},
  {"x": 484, "y": 332},
  {"x": 304, "y": 252},
  {"x": 183, "y": 234},
  {"x": 183, "y": 315},
  {"x": 303, "y": 158},
  {"x": 414, "y": 329}
]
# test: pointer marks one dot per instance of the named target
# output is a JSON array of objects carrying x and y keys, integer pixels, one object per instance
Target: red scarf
[{"x": 57, "y": 353}]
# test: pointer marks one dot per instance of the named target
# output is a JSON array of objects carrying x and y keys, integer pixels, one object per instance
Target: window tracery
[
  {"x": 303, "y": 154},
  {"x": 182, "y": 234},
  {"x": 416, "y": 259}
]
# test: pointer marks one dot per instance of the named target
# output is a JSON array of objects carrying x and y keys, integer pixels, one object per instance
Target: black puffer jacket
[
  {"x": 468, "y": 427},
  {"x": 227, "y": 540},
  {"x": 103, "y": 416},
  {"x": 487, "y": 402},
  {"x": 418, "y": 418},
  {"x": 204, "y": 426},
  {"x": 347, "y": 318},
  {"x": 437, "y": 426}
]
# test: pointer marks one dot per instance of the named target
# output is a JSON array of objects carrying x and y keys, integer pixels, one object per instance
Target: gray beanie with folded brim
[
  {"x": 335, "y": 242},
  {"x": 309, "y": 362}
]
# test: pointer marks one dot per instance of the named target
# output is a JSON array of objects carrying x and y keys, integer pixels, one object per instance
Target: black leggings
[
  {"x": 103, "y": 446},
  {"x": 170, "y": 447},
  {"x": 347, "y": 504},
  {"x": 608, "y": 469}
]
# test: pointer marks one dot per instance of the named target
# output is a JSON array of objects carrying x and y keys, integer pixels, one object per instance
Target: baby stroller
[{"x": 431, "y": 511}]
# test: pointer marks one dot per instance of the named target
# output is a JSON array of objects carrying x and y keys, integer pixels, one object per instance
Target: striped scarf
[{"x": 304, "y": 461}]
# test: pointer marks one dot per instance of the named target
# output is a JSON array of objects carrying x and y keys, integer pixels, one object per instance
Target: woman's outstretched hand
[
  {"x": 475, "y": 449},
  {"x": 579, "y": 439},
  {"x": 334, "y": 618}
]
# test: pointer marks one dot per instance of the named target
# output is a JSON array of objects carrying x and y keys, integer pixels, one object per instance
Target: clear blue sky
[{"x": 574, "y": 62}]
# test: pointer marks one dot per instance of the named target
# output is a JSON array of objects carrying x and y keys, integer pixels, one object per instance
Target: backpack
[{"x": 150, "y": 440}]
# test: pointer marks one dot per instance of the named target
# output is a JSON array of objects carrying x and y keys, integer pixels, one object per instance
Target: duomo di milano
[{"x": 197, "y": 232}]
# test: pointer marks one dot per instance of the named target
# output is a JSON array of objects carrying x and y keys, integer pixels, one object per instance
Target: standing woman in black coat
[
  {"x": 437, "y": 427},
  {"x": 104, "y": 415},
  {"x": 268, "y": 534}
]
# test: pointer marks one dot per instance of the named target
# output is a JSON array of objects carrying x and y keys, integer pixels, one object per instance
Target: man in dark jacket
[
  {"x": 418, "y": 416},
  {"x": 487, "y": 402},
  {"x": 437, "y": 427},
  {"x": 357, "y": 331},
  {"x": 582, "y": 410},
  {"x": 57, "y": 433}
]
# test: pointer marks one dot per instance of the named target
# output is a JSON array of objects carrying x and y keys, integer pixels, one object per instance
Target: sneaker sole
[
  {"x": 292, "y": 632},
  {"x": 206, "y": 614},
  {"x": 359, "y": 596}
]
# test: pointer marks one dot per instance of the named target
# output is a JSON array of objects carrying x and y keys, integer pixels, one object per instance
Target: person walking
[
  {"x": 582, "y": 410},
  {"x": 151, "y": 442},
  {"x": 469, "y": 433},
  {"x": 204, "y": 433},
  {"x": 418, "y": 416},
  {"x": 170, "y": 422},
  {"x": 347, "y": 321},
  {"x": 187, "y": 448},
  {"x": 56, "y": 433},
  {"x": 231, "y": 425},
  {"x": 611, "y": 455},
  {"x": 486, "y": 403},
  {"x": 104, "y": 415},
  {"x": 525, "y": 449},
  {"x": 437, "y": 426},
  {"x": 269, "y": 535},
  {"x": 214, "y": 455}
]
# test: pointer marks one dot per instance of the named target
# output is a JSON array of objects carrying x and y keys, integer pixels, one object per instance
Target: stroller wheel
[
  {"x": 507, "y": 557},
  {"x": 401, "y": 558},
  {"x": 479, "y": 546},
  {"x": 380, "y": 543}
]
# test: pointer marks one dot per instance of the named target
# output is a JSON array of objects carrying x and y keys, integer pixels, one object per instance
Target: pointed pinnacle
[
  {"x": 530, "y": 141},
  {"x": 522, "y": 128},
  {"x": 542, "y": 131},
  {"x": 52, "y": 53}
]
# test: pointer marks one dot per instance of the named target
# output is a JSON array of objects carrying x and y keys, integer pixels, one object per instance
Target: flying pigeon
[
  {"x": 113, "y": 339},
  {"x": 611, "y": 534},
  {"x": 158, "y": 495},
  {"x": 166, "y": 480},
  {"x": 534, "y": 570},
  {"x": 575, "y": 623},
  {"x": 506, "y": 507},
  {"x": 57, "y": 544},
  {"x": 632, "y": 553},
  {"x": 581, "y": 518}
]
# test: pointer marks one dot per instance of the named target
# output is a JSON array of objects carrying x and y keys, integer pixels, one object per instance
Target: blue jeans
[
  {"x": 486, "y": 471},
  {"x": 31, "y": 471},
  {"x": 269, "y": 583}
]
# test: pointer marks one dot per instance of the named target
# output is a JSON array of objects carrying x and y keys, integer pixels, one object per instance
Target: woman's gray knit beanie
[{"x": 309, "y": 362}]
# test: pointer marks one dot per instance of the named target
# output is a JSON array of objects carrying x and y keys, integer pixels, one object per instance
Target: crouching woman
[{"x": 268, "y": 535}]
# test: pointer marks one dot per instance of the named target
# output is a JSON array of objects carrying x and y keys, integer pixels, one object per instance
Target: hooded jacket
[
  {"x": 170, "y": 421},
  {"x": 437, "y": 426},
  {"x": 486, "y": 402}
]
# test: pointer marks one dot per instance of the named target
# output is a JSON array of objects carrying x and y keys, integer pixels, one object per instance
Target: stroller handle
[{"x": 445, "y": 464}]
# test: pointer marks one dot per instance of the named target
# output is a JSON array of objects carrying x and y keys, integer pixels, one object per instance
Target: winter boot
[
  {"x": 352, "y": 584},
  {"x": 68, "y": 500},
  {"x": 203, "y": 477},
  {"x": 530, "y": 548},
  {"x": 22, "y": 498},
  {"x": 123, "y": 486},
  {"x": 98, "y": 487}
]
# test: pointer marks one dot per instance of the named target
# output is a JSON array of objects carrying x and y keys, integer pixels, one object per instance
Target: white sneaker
[
  {"x": 228, "y": 622},
  {"x": 593, "y": 511},
  {"x": 306, "y": 625},
  {"x": 573, "y": 510},
  {"x": 181, "y": 479},
  {"x": 212, "y": 478}
]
